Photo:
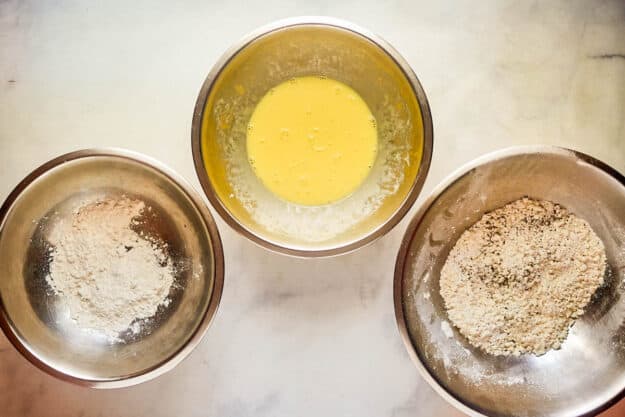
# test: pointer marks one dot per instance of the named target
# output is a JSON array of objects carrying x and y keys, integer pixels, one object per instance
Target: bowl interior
[
  {"x": 589, "y": 369},
  {"x": 40, "y": 321},
  {"x": 277, "y": 56}
]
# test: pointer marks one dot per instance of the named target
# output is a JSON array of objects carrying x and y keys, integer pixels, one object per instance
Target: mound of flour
[{"x": 108, "y": 275}]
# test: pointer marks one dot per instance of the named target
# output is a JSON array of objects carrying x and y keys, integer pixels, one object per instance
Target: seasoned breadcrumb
[{"x": 517, "y": 279}]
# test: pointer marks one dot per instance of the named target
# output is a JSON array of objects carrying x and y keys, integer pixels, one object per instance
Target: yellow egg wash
[{"x": 312, "y": 140}]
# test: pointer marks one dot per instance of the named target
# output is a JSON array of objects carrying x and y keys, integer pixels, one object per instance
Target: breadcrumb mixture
[{"x": 518, "y": 278}]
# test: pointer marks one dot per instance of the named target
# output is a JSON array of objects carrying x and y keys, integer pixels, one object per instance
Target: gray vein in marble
[
  {"x": 607, "y": 56},
  {"x": 240, "y": 408}
]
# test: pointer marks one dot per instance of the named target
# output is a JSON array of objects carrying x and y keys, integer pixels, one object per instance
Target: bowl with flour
[
  {"x": 112, "y": 268},
  {"x": 509, "y": 285}
]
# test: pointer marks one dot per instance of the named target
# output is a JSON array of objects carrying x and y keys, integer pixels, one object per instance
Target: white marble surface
[{"x": 293, "y": 337}]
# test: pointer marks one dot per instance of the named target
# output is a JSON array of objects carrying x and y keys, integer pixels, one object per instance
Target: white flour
[{"x": 108, "y": 275}]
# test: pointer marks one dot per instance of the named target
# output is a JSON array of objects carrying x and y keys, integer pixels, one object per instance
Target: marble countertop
[{"x": 293, "y": 337}]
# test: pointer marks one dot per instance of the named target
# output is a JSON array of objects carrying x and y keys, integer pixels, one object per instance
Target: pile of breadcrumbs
[{"x": 518, "y": 278}]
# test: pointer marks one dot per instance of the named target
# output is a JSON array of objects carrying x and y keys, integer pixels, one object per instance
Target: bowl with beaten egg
[{"x": 312, "y": 137}]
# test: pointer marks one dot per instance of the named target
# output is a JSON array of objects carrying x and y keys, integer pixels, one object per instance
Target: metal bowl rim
[
  {"x": 415, "y": 222},
  {"x": 401, "y": 64},
  {"x": 218, "y": 278}
]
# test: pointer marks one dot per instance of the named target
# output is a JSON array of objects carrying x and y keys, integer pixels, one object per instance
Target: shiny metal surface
[
  {"x": 37, "y": 322},
  {"x": 325, "y": 47},
  {"x": 588, "y": 373}
]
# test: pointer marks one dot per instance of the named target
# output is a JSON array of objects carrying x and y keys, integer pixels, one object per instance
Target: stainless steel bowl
[
  {"x": 312, "y": 46},
  {"x": 37, "y": 322},
  {"x": 588, "y": 373}
]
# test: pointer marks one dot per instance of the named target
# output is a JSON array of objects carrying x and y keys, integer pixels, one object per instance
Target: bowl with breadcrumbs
[
  {"x": 111, "y": 266},
  {"x": 509, "y": 285}
]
